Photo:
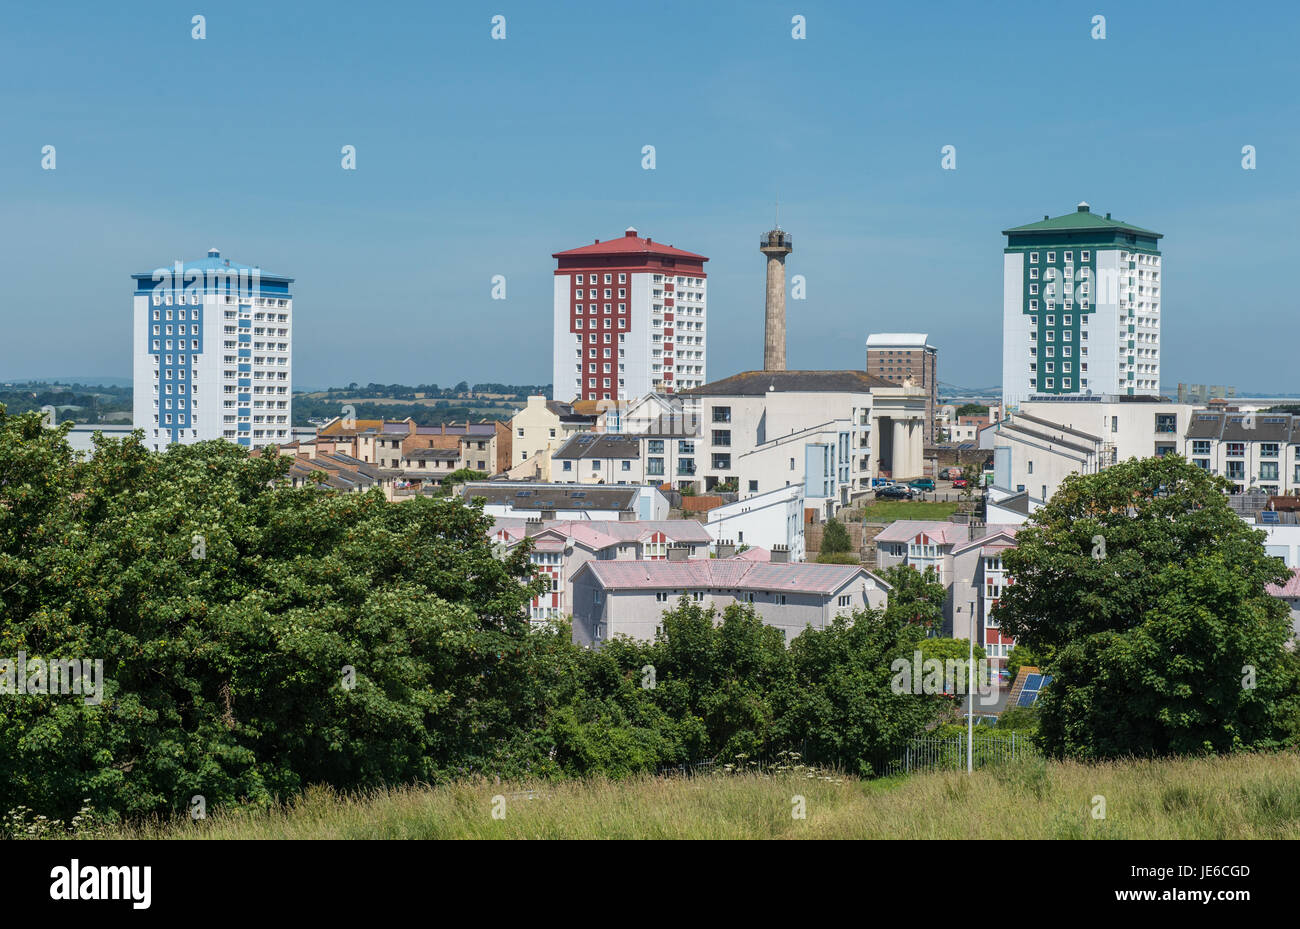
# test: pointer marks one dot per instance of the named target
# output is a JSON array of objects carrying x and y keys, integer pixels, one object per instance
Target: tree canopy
[
  {"x": 1144, "y": 593},
  {"x": 258, "y": 638}
]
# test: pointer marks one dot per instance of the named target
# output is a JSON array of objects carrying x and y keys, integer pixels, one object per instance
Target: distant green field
[
  {"x": 886, "y": 511},
  {"x": 1239, "y": 797}
]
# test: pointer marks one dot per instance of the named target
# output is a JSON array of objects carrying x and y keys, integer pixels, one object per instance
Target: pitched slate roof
[
  {"x": 756, "y": 383},
  {"x": 531, "y": 496},
  {"x": 599, "y": 445},
  {"x": 600, "y": 534}
]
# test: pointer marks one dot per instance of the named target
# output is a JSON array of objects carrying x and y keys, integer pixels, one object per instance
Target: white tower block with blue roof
[{"x": 213, "y": 350}]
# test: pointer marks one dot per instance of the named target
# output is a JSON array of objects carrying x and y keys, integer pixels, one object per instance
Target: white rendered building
[
  {"x": 629, "y": 320},
  {"x": 213, "y": 354},
  {"x": 1081, "y": 308}
]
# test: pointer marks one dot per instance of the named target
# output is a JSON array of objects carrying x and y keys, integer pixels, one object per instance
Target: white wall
[
  {"x": 564, "y": 378},
  {"x": 765, "y": 520},
  {"x": 1015, "y": 330},
  {"x": 1104, "y": 374}
]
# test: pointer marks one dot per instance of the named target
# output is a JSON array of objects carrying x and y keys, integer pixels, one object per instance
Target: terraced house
[
  {"x": 612, "y": 598},
  {"x": 561, "y": 547},
  {"x": 1252, "y": 450},
  {"x": 967, "y": 560}
]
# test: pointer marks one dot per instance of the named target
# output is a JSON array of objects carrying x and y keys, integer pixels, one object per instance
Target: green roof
[{"x": 1081, "y": 220}]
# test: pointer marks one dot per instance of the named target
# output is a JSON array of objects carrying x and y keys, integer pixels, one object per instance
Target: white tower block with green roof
[{"x": 1080, "y": 308}]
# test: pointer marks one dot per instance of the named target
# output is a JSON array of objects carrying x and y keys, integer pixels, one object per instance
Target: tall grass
[{"x": 1249, "y": 796}]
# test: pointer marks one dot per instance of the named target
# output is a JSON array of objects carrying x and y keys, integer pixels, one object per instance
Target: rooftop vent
[
  {"x": 1083, "y": 206},
  {"x": 214, "y": 253},
  {"x": 630, "y": 232}
]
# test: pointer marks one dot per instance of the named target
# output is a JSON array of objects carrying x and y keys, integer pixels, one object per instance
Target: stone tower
[{"x": 775, "y": 245}]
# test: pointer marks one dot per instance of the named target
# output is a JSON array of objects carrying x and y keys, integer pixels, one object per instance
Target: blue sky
[{"x": 478, "y": 157}]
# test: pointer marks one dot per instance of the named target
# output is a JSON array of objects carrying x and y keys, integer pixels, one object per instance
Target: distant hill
[{"x": 86, "y": 380}]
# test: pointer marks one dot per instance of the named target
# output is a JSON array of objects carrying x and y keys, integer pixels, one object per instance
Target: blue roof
[{"x": 215, "y": 263}]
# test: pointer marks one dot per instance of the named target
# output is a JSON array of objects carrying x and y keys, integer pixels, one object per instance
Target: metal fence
[{"x": 950, "y": 754}]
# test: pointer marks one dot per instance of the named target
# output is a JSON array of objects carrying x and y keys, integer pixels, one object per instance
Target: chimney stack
[
  {"x": 678, "y": 552},
  {"x": 726, "y": 548},
  {"x": 780, "y": 554},
  {"x": 775, "y": 245}
]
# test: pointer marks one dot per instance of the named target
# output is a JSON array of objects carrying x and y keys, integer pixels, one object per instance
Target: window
[{"x": 722, "y": 414}]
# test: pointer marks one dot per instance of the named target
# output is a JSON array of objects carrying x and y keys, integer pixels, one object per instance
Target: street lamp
[{"x": 970, "y": 697}]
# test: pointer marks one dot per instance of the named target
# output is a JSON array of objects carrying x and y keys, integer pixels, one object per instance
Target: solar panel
[
  {"x": 1027, "y": 698},
  {"x": 1268, "y": 516},
  {"x": 1033, "y": 682},
  {"x": 1047, "y": 679}
]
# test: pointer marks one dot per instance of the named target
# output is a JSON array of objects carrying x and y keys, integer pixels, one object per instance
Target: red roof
[{"x": 628, "y": 244}]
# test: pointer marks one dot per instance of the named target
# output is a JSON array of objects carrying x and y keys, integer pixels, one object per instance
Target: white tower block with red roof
[{"x": 630, "y": 319}]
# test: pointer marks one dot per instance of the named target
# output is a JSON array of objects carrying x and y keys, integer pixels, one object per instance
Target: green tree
[
  {"x": 255, "y": 638},
  {"x": 461, "y": 475},
  {"x": 1147, "y": 591},
  {"x": 722, "y": 670},
  {"x": 840, "y": 707},
  {"x": 835, "y": 538},
  {"x": 916, "y": 598}
]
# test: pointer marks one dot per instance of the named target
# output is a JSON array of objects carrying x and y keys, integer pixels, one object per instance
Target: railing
[{"x": 950, "y": 754}]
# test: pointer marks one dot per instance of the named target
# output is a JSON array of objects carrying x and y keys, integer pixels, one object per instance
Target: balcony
[{"x": 777, "y": 238}]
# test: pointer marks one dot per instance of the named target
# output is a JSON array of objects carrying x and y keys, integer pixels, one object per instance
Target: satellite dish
[{"x": 568, "y": 546}]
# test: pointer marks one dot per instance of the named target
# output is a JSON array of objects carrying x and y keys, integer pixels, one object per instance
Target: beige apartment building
[{"x": 908, "y": 356}]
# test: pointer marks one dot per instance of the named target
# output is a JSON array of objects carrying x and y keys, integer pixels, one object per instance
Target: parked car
[
  {"x": 895, "y": 492},
  {"x": 922, "y": 483},
  {"x": 881, "y": 482},
  {"x": 960, "y": 482}
]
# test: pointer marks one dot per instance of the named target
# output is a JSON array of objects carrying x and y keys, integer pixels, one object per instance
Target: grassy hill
[{"x": 1240, "y": 797}]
